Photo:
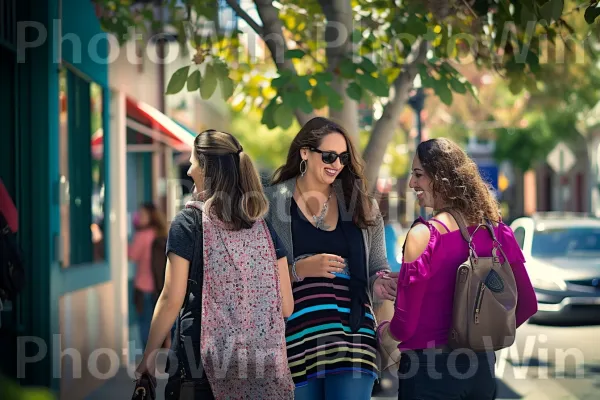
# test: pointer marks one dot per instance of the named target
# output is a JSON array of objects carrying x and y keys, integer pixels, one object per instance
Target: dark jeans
[{"x": 457, "y": 375}]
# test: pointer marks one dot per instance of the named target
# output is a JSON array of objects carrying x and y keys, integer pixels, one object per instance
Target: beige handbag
[
  {"x": 485, "y": 297},
  {"x": 387, "y": 346}
]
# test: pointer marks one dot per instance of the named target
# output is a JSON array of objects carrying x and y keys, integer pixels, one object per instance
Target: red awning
[
  {"x": 148, "y": 115},
  {"x": 146, "y": 118}
]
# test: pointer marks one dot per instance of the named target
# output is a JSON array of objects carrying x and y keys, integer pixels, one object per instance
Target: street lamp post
[{"x": 417, "y": 102}]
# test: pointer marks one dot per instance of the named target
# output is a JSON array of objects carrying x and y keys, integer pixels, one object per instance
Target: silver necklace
[{"x": 318, "y": 219}]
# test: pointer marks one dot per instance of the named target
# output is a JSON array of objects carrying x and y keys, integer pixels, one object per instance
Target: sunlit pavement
[{"x": 546, "y": 362}]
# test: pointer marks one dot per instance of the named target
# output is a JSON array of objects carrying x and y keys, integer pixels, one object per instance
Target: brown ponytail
[{"x": 232, "y": 187}]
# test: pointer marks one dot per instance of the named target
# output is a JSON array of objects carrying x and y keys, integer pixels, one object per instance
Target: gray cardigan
[{"x": 280, "y": 200}]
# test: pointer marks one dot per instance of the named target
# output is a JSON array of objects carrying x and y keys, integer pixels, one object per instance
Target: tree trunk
[
  {"x": 272, "y": 34},
  {"x": 385, "y": 127},
  {"x": 338, "y": 38}
]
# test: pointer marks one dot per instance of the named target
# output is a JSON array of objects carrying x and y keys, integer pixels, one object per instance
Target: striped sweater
[{"x": 318, "y": 336}]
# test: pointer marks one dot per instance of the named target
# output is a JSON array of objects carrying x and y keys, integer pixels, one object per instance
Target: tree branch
[
  {"x": 338, "y": 37},
  {"x": 244, "y": 15},
  {"x": 384, "y": 128},
  {"x": 273, "y": 38}
]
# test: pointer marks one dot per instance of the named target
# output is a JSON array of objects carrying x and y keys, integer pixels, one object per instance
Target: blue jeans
[
  {"x": 344, "y": 386},
  {"x": 145, "y": 317}
]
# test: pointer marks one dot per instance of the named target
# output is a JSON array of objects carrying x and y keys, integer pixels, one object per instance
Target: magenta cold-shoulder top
[{"x": 423, "y": 310}]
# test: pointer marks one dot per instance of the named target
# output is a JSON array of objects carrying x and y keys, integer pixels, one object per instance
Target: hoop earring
[{"x": 302, "y": 167}]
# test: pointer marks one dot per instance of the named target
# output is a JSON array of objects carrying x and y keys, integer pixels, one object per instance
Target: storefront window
[{"x": 82, "y": 170}]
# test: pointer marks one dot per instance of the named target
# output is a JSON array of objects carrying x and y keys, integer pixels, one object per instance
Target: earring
[{"x": 303, "y": 167}]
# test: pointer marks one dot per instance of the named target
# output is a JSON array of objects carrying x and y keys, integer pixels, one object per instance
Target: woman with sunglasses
[{"x": 333, "y": 235}]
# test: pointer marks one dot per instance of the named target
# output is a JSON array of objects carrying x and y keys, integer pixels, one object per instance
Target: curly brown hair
[{"x": 456, "y": 180}]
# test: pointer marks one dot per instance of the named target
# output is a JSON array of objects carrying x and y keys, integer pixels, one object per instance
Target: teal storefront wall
[{"x": 36, "y": 183}]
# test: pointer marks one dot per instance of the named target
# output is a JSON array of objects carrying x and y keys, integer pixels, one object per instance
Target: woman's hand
[
  {"x": 386, "y": 286},
  {"x": 320, "y": 266},
  {"x": 145, "y": 367}
]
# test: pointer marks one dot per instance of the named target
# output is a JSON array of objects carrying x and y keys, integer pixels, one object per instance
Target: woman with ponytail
[{"x": 226, "y": 283}]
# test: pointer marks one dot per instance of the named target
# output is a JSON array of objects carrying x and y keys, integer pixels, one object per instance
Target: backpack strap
[
  {"x": 488, "y": 226},
  {"x": 460, "y": 221},
  {"x": 196, "y": 272}
]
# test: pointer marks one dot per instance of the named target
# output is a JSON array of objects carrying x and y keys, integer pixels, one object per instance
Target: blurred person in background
[
  {"x": 391, "y": 237},
  {"x": 333, "y": 235},
  {"x": 150, "y": 226},
  {"x": 445, "y": 178},
  {"x": 227, "y": 284}
]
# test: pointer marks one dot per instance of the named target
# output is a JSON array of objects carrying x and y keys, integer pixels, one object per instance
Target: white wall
[{"x": 138, "y": 77}]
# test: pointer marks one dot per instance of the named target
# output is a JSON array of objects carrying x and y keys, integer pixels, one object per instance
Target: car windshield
[{"x": 565, "y": 242}]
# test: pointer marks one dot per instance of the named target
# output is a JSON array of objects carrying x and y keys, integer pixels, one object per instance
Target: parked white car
[{"x": 562, "y": 253}]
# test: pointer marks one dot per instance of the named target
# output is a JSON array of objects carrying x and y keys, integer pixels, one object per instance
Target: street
[{"x": 547, "y": 362}]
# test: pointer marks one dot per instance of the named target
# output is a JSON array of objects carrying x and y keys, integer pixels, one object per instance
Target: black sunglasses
[{"x": 329, "y": 157}]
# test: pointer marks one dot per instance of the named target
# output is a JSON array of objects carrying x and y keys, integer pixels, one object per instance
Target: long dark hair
[
  {"x": 232, "y": 187},
  {"x": 351, "y": 178},
  {"x": 456, "y": 180}
]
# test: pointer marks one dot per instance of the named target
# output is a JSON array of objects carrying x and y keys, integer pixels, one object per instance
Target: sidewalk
[{"x": 121, "y": 387}]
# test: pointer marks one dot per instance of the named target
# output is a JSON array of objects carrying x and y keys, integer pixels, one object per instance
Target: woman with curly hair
[{"x": 445, "y": 178}]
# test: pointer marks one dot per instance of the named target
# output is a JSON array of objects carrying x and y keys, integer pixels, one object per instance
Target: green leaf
[
  {"x": 516, "y": 85},
  {"x": 526, "y": 16},
  {"x": 318, "y": 98},
  {"x": 280, "y": 81},
  {"x": 376, "y": 86},
  {"x": 323, "y": 77},
  {"x": 347, "y": 68},
  {"x": 426, "y": 80},
  {"x": 533, "y": 61},
  {"x": 227, "y": 87},
  {"x": 283, "y": 116},
  {"x": 296, "y": 53},
  {"x": 552, "y": 10},
  {"x": 591, "y": 13},
  {"x": 209, "y": 82},
  {"x": 303, "y": 83},
  {"x": 334, "y": 100},
  {"x": 415, "y": 26},
  {"x": 457, "y": 86},
  {"x": 473, "y": 90},
  {"x": 221, "y": 69},
  {"x": 367, "y": 66},
  {"x": 449, "y": 68},
  {"x": 193, "y": 81},
  {"x": 178, "y": 80},
  {"x": 269, "y": 113},
  {"x": 297, "y": 100},
  {"x": 356, "y": 36},
  {"x": 444, "y": 93},
  {"x": 354, "y": 91}
]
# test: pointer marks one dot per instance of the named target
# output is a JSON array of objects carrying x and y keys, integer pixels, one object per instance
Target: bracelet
[
  {"x": 294, "y": 274},
  {"x": 383, "y": 273}
]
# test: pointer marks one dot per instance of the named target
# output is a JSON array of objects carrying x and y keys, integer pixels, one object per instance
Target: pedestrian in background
[
  {"x": 445, "y": 178},
  {"x": 333, "y": 235},
  {"x": 227, "y": 284},
  {"x": 150, "y": 226},
  {"x": 391, "y": 237}
]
